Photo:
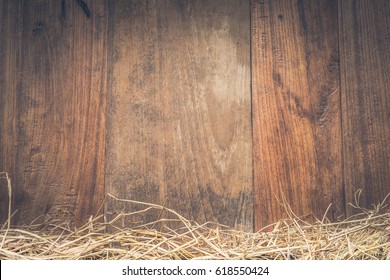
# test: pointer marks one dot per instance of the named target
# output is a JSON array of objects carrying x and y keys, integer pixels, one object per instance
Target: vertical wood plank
[
  {"x": 296, "y": 109},
  {"x": 53, "y": 85},
  {"x": 8, "y": 55},
  {"x": 179, "y": 124},
  {"x": 365, "y": 72}
]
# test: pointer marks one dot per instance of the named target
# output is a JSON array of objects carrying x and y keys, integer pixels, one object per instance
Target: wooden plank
[
  {"x": 178, "y": 124},
  {"x": 53, "y": 85},
  {"x": 365, "y": 72},
  {"x": 8, "y": 55},
  {"x": 296, "y": 109}
]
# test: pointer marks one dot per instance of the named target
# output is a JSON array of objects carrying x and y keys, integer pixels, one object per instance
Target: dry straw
[{"x": 363, "y": 236}]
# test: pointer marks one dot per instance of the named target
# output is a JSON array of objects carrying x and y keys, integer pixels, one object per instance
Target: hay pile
[{"x": 364, "y": 236}]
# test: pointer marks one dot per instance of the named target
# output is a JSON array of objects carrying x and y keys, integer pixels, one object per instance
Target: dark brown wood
[
  {"x": 52, "y": 106},
  {"x": 365, "y": 72},
  {"x": 179, "y": 107},
  {"x": 296, "y": 109},
  {"x": 179, "y": 123}
]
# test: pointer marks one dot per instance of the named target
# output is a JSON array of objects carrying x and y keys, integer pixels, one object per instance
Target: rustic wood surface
[
  {"x": 53, "y": 83},
  {"x": 365, "y": 75},
  {"x": 296, "y": 109},
  {"x": 189, "y": 86},
  {"x": 179, "y": 122}
]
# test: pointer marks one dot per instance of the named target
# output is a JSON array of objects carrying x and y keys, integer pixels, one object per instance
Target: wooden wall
[{"x": 219, "y": 109}]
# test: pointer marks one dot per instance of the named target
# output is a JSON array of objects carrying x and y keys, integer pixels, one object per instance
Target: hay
[{"x": 363, "y": 236}]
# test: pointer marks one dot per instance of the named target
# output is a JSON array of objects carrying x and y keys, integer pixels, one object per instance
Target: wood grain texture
[
  {"x": 179, "y": 123},
  {"x": 365, "y": 72},
  {"x": 296, "y": 109},
  {"x": 53, "y": 84}
]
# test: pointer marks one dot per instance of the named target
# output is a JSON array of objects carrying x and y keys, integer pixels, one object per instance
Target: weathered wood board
[
  {"x": 179, "y": 119},
  {"x": 365, "y": 75},
  {"x": 296, "y": 109},
  {"x": 52, "y": 106},
  {"x": 189, "y": 86}
]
